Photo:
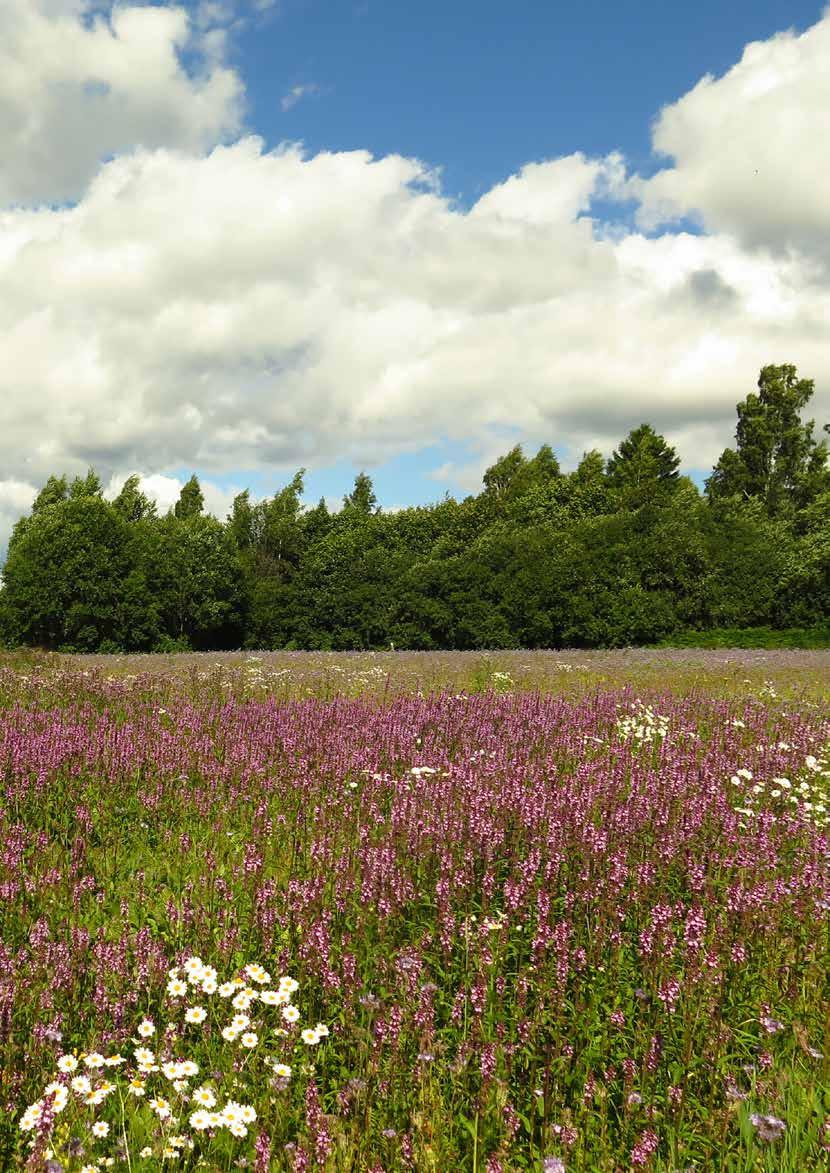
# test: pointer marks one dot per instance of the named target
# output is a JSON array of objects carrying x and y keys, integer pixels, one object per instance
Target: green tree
[
  {"x": 316, "y": 523},
  {"x": 776, "y": 458},
  {"x": 131, "y": 503},
  {"x": 642, "y": 466},
  {"x": 241, "y": 521},
  {"x": 86, "y": 486},
  {"x": 56, "y": 489},
  {"x": 280, "y": 534},
  {"x": 63, "y": 576},
  {"x": 500, "y": 477},
  {"x": 585, "y": 492},
  {"x": 191, "y": 500},
  {"x": 195, "y": 574},
  {"x": 361, "y": 502}
]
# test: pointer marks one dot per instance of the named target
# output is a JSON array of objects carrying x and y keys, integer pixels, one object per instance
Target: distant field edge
[{"x": 749, "y": 637}]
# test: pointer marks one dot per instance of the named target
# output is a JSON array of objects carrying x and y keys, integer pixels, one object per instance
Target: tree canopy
[{"x": 617, "y": 551}]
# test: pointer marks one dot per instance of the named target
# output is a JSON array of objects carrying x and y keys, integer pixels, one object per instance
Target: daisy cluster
[
  {"x": 642, "y": 725},
  {"x": 161, "y": 1085},
  {"x": 807, "y": 792}
]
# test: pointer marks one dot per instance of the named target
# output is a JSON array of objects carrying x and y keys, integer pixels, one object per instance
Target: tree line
[{"x": 618, "y": 552}]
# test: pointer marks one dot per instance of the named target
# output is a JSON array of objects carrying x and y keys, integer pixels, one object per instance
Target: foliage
[
  {"x": 776, "y": 458},
  {"x": 614, "y": 553}
]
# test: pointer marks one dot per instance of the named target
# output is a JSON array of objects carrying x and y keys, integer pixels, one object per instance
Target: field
[{"x": 435, "y": 912}]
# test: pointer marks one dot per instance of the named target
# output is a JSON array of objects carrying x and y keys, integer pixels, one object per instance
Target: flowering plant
[{"x": 179, "y": 1088}]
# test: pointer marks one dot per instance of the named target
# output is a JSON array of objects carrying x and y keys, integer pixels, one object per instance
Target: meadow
[{"x": 416, "y": 911}]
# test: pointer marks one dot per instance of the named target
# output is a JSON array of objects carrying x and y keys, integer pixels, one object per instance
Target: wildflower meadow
[{"x": 451, "y": 912}]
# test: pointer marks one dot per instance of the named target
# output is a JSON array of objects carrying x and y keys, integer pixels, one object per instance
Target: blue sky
[
  {"x": 480, "y": 89},
  {"x": 238, "y": 237}
]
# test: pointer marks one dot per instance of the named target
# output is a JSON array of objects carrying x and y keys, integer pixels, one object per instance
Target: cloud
[
  {"x": 750, "y": 148},
  {"x": 16, "y": 498},
  {"x": 79, "y": 85},
  {"x": 553, "y": 192},
  {"x": 294, "y": 95},
  {"x": 234, "y": 308}
]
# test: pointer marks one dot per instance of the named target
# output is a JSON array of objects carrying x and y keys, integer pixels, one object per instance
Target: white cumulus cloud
[
  {"x": 78, "y": 85},
  {"x": 750, "y": 148}
]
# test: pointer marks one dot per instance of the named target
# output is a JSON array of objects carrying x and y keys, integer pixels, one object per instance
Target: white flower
[
  {"x": 247, "y": 1114},
  {"x": 114, "y": 1061},
  {"x": 100, "y": 1128},
  {"x": 290, "y": 1013},
  {"x": 243, "y": 999},
  {"x": 59, "y": 1096},
  {"x": 322, "y": 1030},
  {"x": 273, "y": 997},
  {"x": 209, "y": 986},
  {"x": 188, "y": 1068},
  {"x": 146, "y": 1152},
  {"x": 257, "y": 974},
  {"x": 289, "y": 985},
  {"x": 195, "y": 1014},
  {"x": 310, "y": 1037},
  {"x": 230, "y": 1113},
  {"x": 282, "y": 1070},
  {"x": 229, "y": 1034},
  {"x": 204, "y": 1097},
  {"x": 31, "y": 1116},
  {"x": 238, "y": 1130},
  {"x": 81, "y": 1085},
  {"x": 160, "y": 1107},
  {"x": 145, "y": 1029},
  {"x": 67, "y": 1063},
  {"x": 94, "y": 1060},
  {"x": 226, "y": 989},
  {"x": 176, "y": 988},
  {"x": 144, "y": 1055},
  {"x": 249, "y": 1039},
  {"x": 200, "y": 1120},
  {"x": 193, "y": 966},
  {"x": 240, "y": 1021}
]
